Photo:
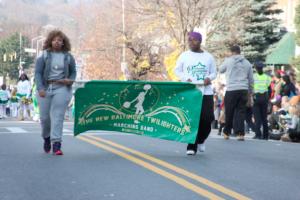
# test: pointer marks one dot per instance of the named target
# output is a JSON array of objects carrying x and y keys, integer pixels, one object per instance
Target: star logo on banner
[
  {"x": 187, "y": 128},
  {"x": 81, "y": 120}
]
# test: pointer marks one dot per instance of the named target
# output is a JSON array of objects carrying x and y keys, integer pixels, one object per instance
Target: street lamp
[
  {"x": 20, "y": 57},
  {"x": 35, "y": 38},
  {"x": 37, "y": 46}
]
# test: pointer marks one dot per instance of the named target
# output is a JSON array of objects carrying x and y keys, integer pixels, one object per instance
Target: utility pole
[
  {"x": 124, "y": 66},
  {"x": 20, "y": 63},
  {"x": 123, "y": 31}
]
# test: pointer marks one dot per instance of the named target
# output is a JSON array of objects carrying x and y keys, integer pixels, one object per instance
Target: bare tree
[
  {"x": 156, "y": 27},
  {"x": 178, "y": 17}
]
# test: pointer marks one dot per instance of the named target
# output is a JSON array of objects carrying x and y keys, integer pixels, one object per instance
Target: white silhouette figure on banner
[{"x": 140, "y": 100}]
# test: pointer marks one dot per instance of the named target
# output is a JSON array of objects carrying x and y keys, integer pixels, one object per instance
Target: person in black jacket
[{"x": 288, "y": 88}]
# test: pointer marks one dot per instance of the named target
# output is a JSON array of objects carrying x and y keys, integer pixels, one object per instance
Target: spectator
[
  {"x": 239, "y": 82},
  {"x": 221, "y": 119},
  {"x": 293, "y": 128},
  {"x": 277, "y": 86},
  {"x": 4, "y": 97},
  {"x": 288, "y": 88},
  {"x": 249, "y": 114},
  {"x": 216, "y": 111},
  {"x": 14, "y": 103}
]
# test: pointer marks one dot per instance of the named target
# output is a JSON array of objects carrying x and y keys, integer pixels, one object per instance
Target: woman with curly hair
[{"x": 55, "y": 72}]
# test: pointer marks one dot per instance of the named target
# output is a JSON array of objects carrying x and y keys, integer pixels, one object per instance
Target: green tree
[
  {"x": 261, "y": 29},
  {"x": 10, "y": 56},
  {"x": 296, "y": 61}
]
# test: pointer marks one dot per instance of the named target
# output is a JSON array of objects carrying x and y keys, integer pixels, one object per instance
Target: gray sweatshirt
[
  {"x": 43, "y": 68},
  {"x": 239, "y": 73}
]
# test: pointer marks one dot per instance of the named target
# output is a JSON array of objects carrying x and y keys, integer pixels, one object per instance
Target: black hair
[
  {"x": 26, "y": 77},
  {"x": 57, "y": 33},
  {"x": 286, "y": 79},
  {"x": 3, "y": 86},
  {"x": 259, "y": 70},
  {"x": 235, "y": 49},
  {"x": 277, "y": 75},
  {"x": 259, "y": 67}
]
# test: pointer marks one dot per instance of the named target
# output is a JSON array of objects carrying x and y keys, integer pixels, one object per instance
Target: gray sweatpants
[{"x": 52, "y": 111}]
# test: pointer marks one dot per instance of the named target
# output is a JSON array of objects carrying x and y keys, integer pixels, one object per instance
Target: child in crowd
[
  {"x": 14, "y": 103},
  {"x": 293, "y": 128},
  {"x": 221, "y": 118},
  {"x": 216, "y": 111},
  {"x": 285, "y": 103},
  {"x": 4, "y": 97}
]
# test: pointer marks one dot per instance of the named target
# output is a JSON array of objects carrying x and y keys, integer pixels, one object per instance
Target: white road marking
[
  {"x": 29, "y": 122},
  {"x": 16, "y": 130},
  {"x": 68, "y": 132}
]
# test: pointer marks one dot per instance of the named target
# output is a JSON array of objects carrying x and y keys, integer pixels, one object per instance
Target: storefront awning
[{"x": 283, "y": 52}]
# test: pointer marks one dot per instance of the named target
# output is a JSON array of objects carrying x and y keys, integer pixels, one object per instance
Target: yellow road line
[
  {"x": 155, "y": 169},
  {"x": 181, "y": 171}
]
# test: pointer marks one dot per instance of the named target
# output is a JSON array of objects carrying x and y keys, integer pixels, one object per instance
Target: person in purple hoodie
[{"x": 198, "y": 67}]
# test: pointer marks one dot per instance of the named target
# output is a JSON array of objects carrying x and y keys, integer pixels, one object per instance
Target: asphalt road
[{"x": 105, "y": 165}]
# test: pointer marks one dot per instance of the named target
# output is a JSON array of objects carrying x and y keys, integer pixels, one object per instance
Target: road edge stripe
[
  {"x": 179, "y": 170},
  {"x": 155, "y": 169}
]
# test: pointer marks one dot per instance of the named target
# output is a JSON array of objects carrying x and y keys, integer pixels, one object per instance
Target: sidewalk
[
  {"x": 13, "y": 119},
  {"x": 214, "y": 134}
]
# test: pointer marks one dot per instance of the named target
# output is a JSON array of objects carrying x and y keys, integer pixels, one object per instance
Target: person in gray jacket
[
  {"x": 239, "y": 84},
  {"x": 55, "y": 72}
]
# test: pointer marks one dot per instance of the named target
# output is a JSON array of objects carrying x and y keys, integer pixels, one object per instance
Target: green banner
[{"x": 166, "y": 110}]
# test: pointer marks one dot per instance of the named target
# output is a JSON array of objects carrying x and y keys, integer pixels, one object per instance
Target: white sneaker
[
  {"x": 201, "y": 147},
  {"x": 190, "y": 152}
]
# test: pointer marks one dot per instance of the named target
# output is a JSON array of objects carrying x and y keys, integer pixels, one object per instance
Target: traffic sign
[{"x": 29, "y": 50}]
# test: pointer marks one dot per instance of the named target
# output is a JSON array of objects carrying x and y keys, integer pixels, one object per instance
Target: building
[
  {"x": 286, "y": 49},
  {"x": 288, "y": 15}
]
